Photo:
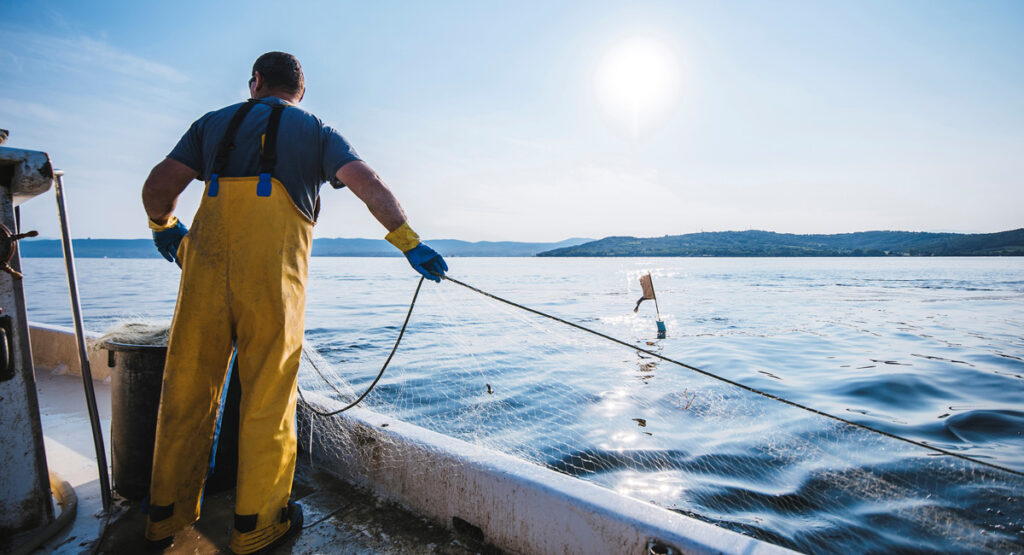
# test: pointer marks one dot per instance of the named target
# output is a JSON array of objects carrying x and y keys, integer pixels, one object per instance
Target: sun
[{"x": 637, "y": 80}]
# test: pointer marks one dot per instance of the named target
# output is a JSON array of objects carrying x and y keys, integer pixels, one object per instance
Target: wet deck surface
[{"x": 339, "y": 518}]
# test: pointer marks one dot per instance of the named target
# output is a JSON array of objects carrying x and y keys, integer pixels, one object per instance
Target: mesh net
[
  {"x": 655, "y": 431},
  {"x": 135, "y": 332}
]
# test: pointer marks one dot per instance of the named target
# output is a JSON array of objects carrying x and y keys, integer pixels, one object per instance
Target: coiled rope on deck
[{"x": 655, "y": 355}]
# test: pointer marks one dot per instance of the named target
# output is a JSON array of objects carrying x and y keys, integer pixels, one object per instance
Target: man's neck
[{"x": 289, "y": 98}]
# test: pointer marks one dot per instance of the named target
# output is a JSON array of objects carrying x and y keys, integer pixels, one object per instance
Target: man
[{"x": 244, "y": 266}]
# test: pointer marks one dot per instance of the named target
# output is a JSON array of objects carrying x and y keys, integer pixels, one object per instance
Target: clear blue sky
[{"x": 490, "y": 122}]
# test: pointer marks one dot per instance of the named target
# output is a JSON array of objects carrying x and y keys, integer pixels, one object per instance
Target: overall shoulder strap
[
  {"x": 226, "y": 145},
  {"x": 268, "y": 156}
]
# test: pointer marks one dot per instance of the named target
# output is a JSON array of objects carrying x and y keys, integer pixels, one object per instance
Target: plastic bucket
[
  {"x": 136, "y": 375},
  {"x": 136, "y": 378}
]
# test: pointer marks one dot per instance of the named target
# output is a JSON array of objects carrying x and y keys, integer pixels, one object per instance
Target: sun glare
[{"x": 637, "y": 81}]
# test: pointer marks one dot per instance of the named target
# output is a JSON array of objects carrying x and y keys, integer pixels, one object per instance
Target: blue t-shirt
[{"x": 309, "y": 153}]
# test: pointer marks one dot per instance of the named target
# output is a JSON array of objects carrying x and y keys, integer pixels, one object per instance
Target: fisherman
[{"x": 244, "y": 265}]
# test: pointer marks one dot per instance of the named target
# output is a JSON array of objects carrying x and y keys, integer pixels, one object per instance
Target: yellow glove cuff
[
  {"x": 171, "y": 222},
  {"x": 404, "y": 238}
]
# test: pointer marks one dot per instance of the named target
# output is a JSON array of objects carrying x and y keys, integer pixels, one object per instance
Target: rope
[
  {"x": 379, "y": 374},
  {"x": 660, "y": 357},
  {"x": 737, "y": 384}
]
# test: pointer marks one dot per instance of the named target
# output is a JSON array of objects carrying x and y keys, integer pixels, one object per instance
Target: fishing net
[
  {"x": 135, "y": 332},
  {"x": 930, "y": 349},
  {"x": 501, "y": 378}
]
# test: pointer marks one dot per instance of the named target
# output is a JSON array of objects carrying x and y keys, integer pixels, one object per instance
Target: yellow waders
[{"x": 244, "y": 264}]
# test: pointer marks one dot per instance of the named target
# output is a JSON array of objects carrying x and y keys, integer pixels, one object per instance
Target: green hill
[{"x": 767, "y": 243}]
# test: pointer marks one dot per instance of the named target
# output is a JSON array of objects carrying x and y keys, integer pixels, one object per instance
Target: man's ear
[{"x": 258, "y": 84}]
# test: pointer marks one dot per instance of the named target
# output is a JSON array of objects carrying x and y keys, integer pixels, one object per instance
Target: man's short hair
[{"x": 280, "y": 71}]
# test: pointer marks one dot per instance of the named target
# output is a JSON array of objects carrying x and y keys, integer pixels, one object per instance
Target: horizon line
[{"x": 35, "y": 239}]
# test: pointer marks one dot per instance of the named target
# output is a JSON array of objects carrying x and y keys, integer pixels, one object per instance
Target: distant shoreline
[
  {"x": 761, "y": 244},
  {"x": 718, "y": 244}
]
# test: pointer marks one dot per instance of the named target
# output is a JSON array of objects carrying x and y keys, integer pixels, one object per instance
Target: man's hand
[
  {"x": 427, "y": 262},
  {"x": 423, "y": 259},
  {"x": 159, "y": 196},
  {"x": 169, "y": 239}
]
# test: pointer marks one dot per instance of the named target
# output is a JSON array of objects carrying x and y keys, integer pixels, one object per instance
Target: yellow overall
[{"x": 244, "y": 267}]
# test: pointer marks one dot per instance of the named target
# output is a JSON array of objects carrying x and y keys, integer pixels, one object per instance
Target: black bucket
[{"x": 136, "y": 378}]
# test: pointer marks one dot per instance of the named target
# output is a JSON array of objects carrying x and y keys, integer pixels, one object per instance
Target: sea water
[{"x": 931, "y": 349}]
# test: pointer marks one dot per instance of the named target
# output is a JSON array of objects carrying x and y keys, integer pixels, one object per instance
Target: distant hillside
[
  {"x": 89, "y": 248},
  {"x": 767, "y": 243},
  {"x": 454, "y": 247},
  {"x": 447, "y": 247},
  {"x": 143, "y": 248},
  {"x": 721, "y": 243}
]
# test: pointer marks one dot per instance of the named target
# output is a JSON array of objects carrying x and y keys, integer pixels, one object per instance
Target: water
[{"x": 927, "y": 348}]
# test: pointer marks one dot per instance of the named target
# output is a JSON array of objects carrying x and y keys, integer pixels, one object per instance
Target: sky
[{"x": 541, "y": 121}]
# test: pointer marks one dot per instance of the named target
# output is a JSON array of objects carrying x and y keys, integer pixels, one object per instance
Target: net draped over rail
[{"x": 636, "y": 422}]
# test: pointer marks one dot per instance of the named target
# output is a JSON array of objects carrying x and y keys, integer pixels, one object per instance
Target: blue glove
[
  {"x": 426, "y": 261},
  {"x": 167, "y": 241}
]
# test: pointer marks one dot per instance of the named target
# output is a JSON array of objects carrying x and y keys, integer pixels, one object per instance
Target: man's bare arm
[
  {"x": 360, "y": 178},
  {"x": 160, "y": 192},
  {"x": 382, "y": 203}
]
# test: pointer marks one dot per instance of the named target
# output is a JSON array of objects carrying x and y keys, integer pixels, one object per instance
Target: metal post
[
  {"x": 659, "y": 323},
  {"x": 83, "y": 356},
  {"x": 656, "y": 310}
]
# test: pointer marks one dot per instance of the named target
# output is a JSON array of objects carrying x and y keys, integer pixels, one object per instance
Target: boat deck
[
  {"x": 339, "y": 518},
  {"x": 440, "y": 495}
]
